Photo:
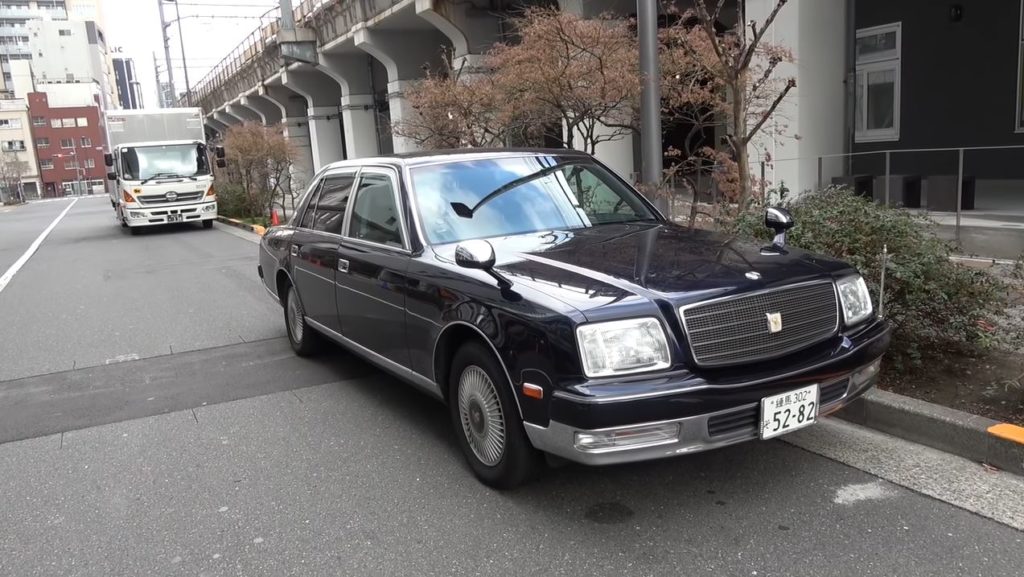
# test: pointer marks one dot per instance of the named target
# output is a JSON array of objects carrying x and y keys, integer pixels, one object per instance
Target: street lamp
[{"x": 184, "y": 63}]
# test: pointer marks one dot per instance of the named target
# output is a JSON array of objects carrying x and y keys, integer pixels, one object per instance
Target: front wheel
[
  {"x": 487, "y": 422},
  {"x": 304, "y": 339},
  {"x": 207, "y": 224}
]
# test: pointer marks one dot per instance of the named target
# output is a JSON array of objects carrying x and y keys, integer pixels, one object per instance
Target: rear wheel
[
  {"x": 207, "y": 224},
  {"x": 487, "y": 422},
  {"x": 304, "y": 339}
]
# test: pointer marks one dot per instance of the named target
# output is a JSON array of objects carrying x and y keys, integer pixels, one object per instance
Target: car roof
[{"x": 433, "y": 156}]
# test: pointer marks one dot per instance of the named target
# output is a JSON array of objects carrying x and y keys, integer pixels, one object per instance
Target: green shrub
[
  {"x": 232, "y": 201},
  {"x": 933, "y": 302}
]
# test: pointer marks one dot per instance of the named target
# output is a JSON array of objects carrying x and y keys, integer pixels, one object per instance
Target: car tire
[
  {"x": 207, "y": 224},
  {"x": 486, "y": 420},
  {"x": 304, "y": 339}
]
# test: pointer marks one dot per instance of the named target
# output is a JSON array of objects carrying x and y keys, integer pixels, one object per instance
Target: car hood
[{"x": 625, "y": 263}]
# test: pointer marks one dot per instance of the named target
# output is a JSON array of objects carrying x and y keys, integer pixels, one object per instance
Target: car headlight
[
  {"x": 856, "y": 300},
  {"x": 621, "y": 347}
]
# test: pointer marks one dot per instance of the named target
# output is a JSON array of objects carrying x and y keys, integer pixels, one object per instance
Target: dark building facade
[
  {"x": 69, "y": 145},
  {"x": 129, "y": 93}
]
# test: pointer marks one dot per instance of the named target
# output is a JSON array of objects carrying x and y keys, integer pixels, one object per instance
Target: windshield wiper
[
  {"x": 168, "y": 175},
  {"x": 467, "y": 212}
]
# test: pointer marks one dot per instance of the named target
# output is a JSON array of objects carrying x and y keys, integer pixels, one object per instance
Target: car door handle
[
  {"x": 342, "y": 265},
  {"x": 295, "y": 250}
]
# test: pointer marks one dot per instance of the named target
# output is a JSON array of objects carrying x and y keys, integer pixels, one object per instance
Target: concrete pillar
[
  {"x": 226, "y": 118},
  {"x": 268, "y": 112},
  {"x": 217, "y": 126},
  {"x": 358, "y": 111},
  {"x": 238, "y": 111},
  {"x": 405, "y": 55},
  {"x": 296, "y": 130},
  {"x": 323, "y": 97}
]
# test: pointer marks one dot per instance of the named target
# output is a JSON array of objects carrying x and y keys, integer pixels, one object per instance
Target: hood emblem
[
  {"x": 171, "y": 196},
  {"x": 753, "y": 275},
  {"x": 774, "y": 322}
]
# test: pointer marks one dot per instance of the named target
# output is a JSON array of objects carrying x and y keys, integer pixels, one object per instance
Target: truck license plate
[
  {"x": 173, "y": 218},
  {"x": 788, "y": 411}
]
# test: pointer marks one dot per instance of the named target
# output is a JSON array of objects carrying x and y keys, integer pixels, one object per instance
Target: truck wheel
[
  {"x": 124, "y": 224},
  {"x": 133, "y": 230},
  {"x": 487, "y": 423},
  {"x": 304, "y": 339},
  {"x": 207, "y": 224}
]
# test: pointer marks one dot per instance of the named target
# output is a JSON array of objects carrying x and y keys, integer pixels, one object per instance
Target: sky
[{"x": 210, "y": 29}]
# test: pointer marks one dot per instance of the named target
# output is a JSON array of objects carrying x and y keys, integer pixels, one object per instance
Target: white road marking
[
  {"x": 32, "y": 249},
  {"x": 122, "y": 359},
  {"x": 854, "y": 493}
]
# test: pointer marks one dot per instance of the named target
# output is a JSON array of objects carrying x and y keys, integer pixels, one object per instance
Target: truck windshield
[{"x": 184, "y": 160}]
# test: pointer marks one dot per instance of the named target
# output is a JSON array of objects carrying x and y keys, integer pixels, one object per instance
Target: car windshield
[
  {"x": 182, "y": 160},
  {"x": 520, "y": 195}
]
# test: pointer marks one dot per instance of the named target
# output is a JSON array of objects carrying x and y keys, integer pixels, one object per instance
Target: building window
[
  {"x": 71, "y": 164},
  {"x": 86, "y": 141},
  {"x": 46, "y": 164},
  {"x": 90, "y": 163},
  {"x": 13, "y": 145},
  {"x": 64, "y": 32},
  {"x": 43, "y": 142},
  {"x": 878, "y": 83},
  {"x": 10, "y": 123},
  {"x": 67, "y": 142},
  {"x": 38, "y": 121},
  {"x": 67, "y": 122},
  {"x": 83, "y": 121},
  {"x": 55, "y": 123}
]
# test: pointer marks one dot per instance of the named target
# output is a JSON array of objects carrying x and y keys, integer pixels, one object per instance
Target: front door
[
  {"x": 373, "y": 260},
  {"x": 314, "y": 248}
]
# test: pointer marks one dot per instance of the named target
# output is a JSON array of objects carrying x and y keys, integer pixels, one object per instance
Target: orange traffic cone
[{"x": 273, "y": 218}]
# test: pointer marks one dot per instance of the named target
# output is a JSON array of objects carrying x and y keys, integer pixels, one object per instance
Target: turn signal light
[
  {"x": 127, "y": 197},
  {"x": 210, "y": 194}
]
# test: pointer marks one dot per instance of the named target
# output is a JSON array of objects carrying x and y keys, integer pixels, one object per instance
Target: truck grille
[
  {"x": 161, "y": 198},
  {"x": 737, "y": 329}
]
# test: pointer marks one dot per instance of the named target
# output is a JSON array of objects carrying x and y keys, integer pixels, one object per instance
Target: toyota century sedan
[{"x": 556, "y": 311}]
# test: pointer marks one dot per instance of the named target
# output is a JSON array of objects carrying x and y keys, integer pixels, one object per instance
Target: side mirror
[
  {"x": 221, "y": 163},
  {"x": 218, "y": 151},
  {"x": 108, "y": 159},
  {"x": 778, "y": 220},
  {"x": 111, "y": 176},
  {"x": 475, "y": 254}
]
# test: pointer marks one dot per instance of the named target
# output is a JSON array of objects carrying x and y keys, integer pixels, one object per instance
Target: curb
[
  {"x": 244, "y": 226},
  {"x": 970, "y": 436}
]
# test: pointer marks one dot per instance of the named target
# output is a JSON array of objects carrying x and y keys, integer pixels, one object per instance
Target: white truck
[{"x": 160, "y": 167}]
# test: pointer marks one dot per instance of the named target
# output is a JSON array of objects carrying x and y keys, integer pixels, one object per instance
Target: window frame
[
  {"x": 868, "y": 64},
  {"x": 355, "y": 172},
  {"x": 70, "y": 146},
  {"x": 46, "y": 164},
  {"x": 393, "y": 174}
]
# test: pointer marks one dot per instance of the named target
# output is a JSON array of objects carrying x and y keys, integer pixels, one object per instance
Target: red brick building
[{"x": 69, "y": 143}]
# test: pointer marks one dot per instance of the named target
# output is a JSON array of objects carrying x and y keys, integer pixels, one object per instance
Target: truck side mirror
[
  {"x": 108, "y": 159},
  {"x": 219, "y": 152},
  {"x": 221, "y": 163},
  {"x": 111, "y": 175}
]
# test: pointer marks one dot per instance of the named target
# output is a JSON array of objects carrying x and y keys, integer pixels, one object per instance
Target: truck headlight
[
  {"x": 622, "y": 347},
  {"x": 855, "y": 298}
]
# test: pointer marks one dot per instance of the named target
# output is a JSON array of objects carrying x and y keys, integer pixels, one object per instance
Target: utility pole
[
  {"x": 167, "y": 51},
  {"x": 184, "y": 63},
  {"x": 156, "y": 75},
  {"x": 650, "y": 101}
]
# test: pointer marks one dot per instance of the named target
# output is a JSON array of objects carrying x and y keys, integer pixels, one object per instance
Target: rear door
[{"x": 314, "y": 248}]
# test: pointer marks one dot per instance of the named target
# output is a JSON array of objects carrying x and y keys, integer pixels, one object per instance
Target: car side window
[
  {"x": 375, "y": 216},
  {"x": 332, "y": 202},
  {"x": 307, "y": 215},
  {"x": 595, "y": 198}
]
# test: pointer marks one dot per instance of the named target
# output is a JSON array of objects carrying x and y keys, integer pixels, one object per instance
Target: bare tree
[
  {"x": 12, "y": 170},
  {"x": 259, "y": 159}
]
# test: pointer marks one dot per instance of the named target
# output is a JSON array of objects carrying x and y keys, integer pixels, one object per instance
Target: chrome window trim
[
  {"x": 323, "y": 178},
  {"x": 381, "y": 361},
  {"x": 395, "y": 177},
  {"x": 686, "y": 330},
  {"x": 497, "y": 355}
]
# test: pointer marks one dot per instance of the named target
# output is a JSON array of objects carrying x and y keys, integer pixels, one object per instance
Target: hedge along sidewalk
[
  {"x": 242, "y": 225},
  {"x": 970, "y": 436}
]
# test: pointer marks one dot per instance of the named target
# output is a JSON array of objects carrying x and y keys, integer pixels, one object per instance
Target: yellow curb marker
[{"x": 1008, "y": 432}]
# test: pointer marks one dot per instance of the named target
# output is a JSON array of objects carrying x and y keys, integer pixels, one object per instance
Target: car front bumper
[
  {"x": 704, "y": 417},
  {"x": 159, "y": 215}
]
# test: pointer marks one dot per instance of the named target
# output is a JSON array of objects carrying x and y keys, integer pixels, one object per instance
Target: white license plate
[
  {"x": 173, "y": 218},
  {"x": 788, "y": 411}
]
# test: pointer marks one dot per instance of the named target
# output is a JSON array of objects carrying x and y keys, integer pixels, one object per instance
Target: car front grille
[
  {"x": 743, "y": 421},
  {"x": 151, "y": 199},
  {"x": 736, "y": 330}
]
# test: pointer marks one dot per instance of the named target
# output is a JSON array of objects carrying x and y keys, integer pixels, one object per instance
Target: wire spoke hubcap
[
  {"x": 480, "y": 412},
  {"x": 295, "y": 317}
]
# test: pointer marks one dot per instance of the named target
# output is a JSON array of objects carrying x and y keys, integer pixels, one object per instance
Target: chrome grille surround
[
  {"x": 161, "y": 198},
  {"x": 734, "y": 330}
]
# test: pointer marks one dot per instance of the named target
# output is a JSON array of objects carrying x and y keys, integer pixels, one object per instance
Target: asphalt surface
[{"x": 154, "y": 422}]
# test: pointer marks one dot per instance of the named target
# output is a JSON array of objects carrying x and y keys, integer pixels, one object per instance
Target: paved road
[{"x": 218, "y": 452}]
